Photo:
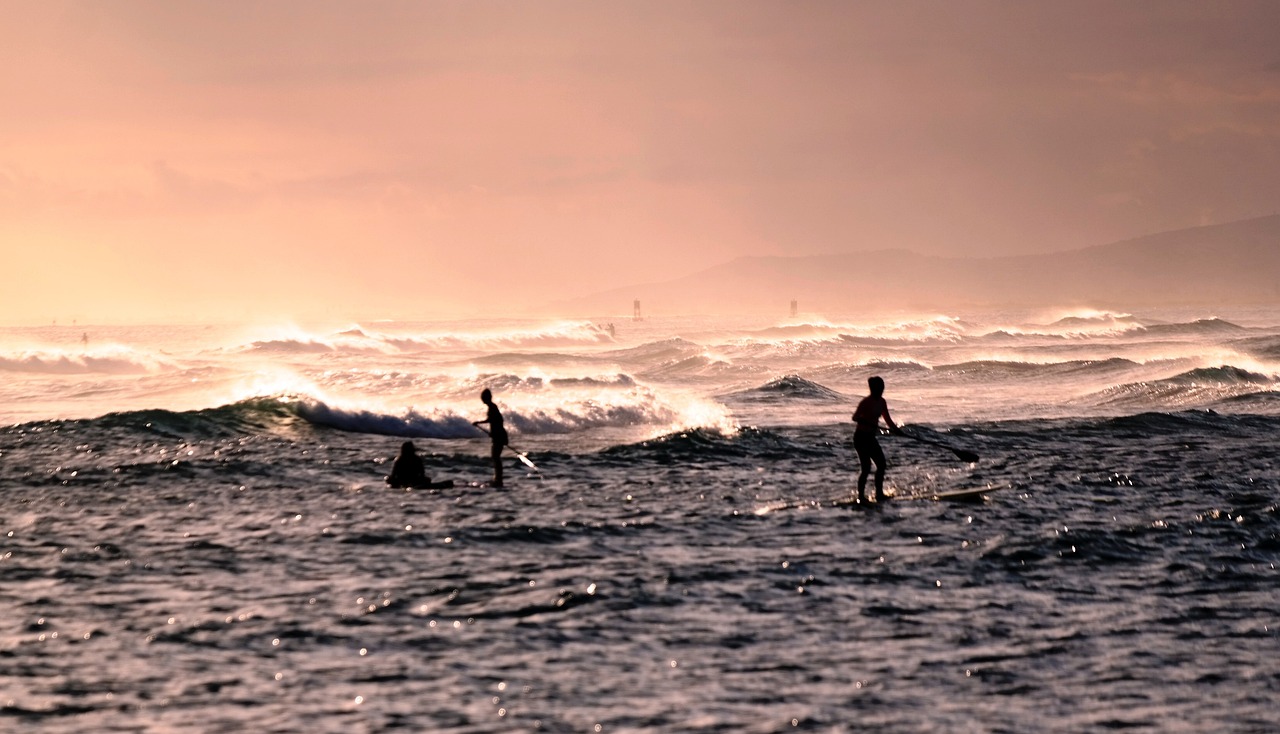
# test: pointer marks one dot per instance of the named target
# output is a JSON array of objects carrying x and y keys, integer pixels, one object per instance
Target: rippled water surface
[
  {"x": 1122, "y": 574},
  {"x": 225, "y": 557}
]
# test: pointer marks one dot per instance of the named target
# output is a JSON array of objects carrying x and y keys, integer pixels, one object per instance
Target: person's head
[
  {"x": 486, "y": 397},
  {"x": 876, "y": 383},
  {"x": 406, "y": 449}
]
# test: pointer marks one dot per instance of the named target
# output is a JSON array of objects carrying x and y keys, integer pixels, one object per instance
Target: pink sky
[{"x": 195, "y": 161}]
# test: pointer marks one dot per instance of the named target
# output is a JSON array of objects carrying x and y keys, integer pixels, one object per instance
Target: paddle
[
  {"x": 522, "y": 456},
  {"x": 961, "y": 454}
]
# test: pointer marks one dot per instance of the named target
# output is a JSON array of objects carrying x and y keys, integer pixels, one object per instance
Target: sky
[{"x": 174, "y": 160}]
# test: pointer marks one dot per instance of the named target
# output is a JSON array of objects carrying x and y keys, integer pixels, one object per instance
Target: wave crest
[
  {"x": 360, "y": 340},
  {"x": 109, "y": 360},
  {"x": 792, "y": 387}
]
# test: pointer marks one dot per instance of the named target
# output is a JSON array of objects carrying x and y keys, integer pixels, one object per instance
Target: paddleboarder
[
  {"x": 497, "y": 432},
  {"x": 867, "y": 421}
]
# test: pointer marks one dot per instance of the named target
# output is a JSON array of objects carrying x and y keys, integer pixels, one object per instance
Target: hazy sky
[{"x": 212, "y": 160}]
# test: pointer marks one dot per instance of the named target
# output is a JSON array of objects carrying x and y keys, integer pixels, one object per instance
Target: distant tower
[
  {"x": 635, "y": 311},
  {"x": 795, "y": 307}
]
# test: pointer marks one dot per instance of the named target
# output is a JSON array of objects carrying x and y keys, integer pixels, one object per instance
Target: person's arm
[{"x": 893, "y": 427}]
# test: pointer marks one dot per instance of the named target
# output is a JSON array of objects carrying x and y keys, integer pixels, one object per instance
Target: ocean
[{"x": 196, "y": 535}]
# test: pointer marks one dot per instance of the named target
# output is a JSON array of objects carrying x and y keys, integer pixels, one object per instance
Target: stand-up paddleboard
[
  {"x": 963, "y": 495},
  {"x": 442, "y": 484},
  {"x": 977, "y": 495},
  {"x": 846, "y": 503}
]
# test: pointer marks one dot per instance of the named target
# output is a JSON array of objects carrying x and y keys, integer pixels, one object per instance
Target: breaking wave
[
  {"x": 359, "y": 340},
  {"x": 109, "y": 361}
]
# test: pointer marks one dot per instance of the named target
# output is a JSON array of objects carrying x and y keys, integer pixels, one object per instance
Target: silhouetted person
[
  {"x": 408, "y": 471},
  {"x": 867, "y": 420},
  {"x": 497, "y": 432}
]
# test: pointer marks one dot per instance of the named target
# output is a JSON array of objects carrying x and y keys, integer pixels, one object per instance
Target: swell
[
  {"x": 791, "y": 388},
  {"x": 571, "y": 405},
  {"x": 701, "y": 447},
  {"x": 109, "y": 362},
  {"x": 360, "y": 340},
  {"x": 1199, "y": 387}
]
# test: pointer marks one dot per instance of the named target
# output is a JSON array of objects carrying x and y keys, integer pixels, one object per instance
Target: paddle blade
[
  {"x": 524, "y": 459},
  {"x": 963, "y": 455}
]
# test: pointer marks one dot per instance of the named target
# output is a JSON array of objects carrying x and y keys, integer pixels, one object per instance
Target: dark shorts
[
  {"x": 499, "y": 438},
  {"x": 868, "y": 449}
]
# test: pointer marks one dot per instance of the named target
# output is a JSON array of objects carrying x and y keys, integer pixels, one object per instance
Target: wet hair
[
  {"x": 406, "y": 448},
  {"x": 876, "y": 383},
  {"x": 485, "y": 395}
]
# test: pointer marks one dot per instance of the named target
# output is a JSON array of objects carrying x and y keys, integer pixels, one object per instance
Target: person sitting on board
[
  {"x": 867, "y": 420},
  {"x": 497, "y": 432},
  {"x": 407, "y": 471}
]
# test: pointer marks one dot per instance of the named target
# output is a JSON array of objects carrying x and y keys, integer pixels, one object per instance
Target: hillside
[{"x": 1236, "y": 263}]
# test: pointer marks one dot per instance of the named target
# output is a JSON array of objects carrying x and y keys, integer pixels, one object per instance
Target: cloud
[{"x": 575, "y": 142}]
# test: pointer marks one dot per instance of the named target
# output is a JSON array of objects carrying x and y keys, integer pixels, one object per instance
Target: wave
[
  {"x": 630, "y": 407},
  {"x": 1199, "y": 327},
  {"x": 937, "y": 328},
  {"x": 1224, "y": 375},
  {"x": 1260, "y": 347},
  {"x": 569, "y": 406},
  {"x": 532, "y": 359},
  {"x": 1107, "y": 327},
  {"x": 508, "y": 383},
  {"x": 410, "y": 424},
  {"x": 792, "y": 387},
  {"x": 1075, "y": 325},
  {"x": 949, "y": 329},
  {"x": 245, "y": 417},
  {"x": 1094, "y": 320},
  {"x": 1007, "y": 369},
  {"x": 110, "y": 361},
  {"x": 1152, "y": 422},
  {"x": 551, "y": 336},
  {"x": 312, "y": 346},
  {"x": 700, "y": 366},
  {"x": 707, "y": 445},
  {"x": 839, "y": 371},
  {"x": 1267, "y": 402},
  {"x": 1198, "y": 387},
  {"x": 619, "y": 380},
  {"x": 360, "y": 340},
  {"x": 664, "y": 350}
]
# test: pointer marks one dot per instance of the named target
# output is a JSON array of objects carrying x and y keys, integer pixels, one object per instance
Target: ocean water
[{"x": 195, "y": 535}]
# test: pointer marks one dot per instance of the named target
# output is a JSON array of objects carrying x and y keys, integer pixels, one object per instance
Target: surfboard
[
  {"x": 442, "y": 484},
  {"x": 978, "y": 494},
  {"x": 962, "y": 495},
  {"x": 846, "y": 503},
  {"x": 975, "y": 495}
]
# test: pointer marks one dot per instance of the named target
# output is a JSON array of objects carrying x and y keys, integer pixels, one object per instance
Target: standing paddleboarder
[
  {"x": 867, "y": 419},
  {"x": 497, "y": 432}
]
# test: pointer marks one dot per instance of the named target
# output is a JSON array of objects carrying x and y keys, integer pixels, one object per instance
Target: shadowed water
[
  {"x": 1122, "y": 576},
  {"x": 195, "y": 536}
]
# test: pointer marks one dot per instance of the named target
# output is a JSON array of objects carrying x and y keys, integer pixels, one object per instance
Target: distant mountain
[{"x": 1236, "y": 263}]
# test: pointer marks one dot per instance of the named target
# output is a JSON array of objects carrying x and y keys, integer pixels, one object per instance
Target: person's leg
[
  {"x": 497, "y": 465},
  {"x": 877, "y": 455},
  {"x": 864, "y": 460}
]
